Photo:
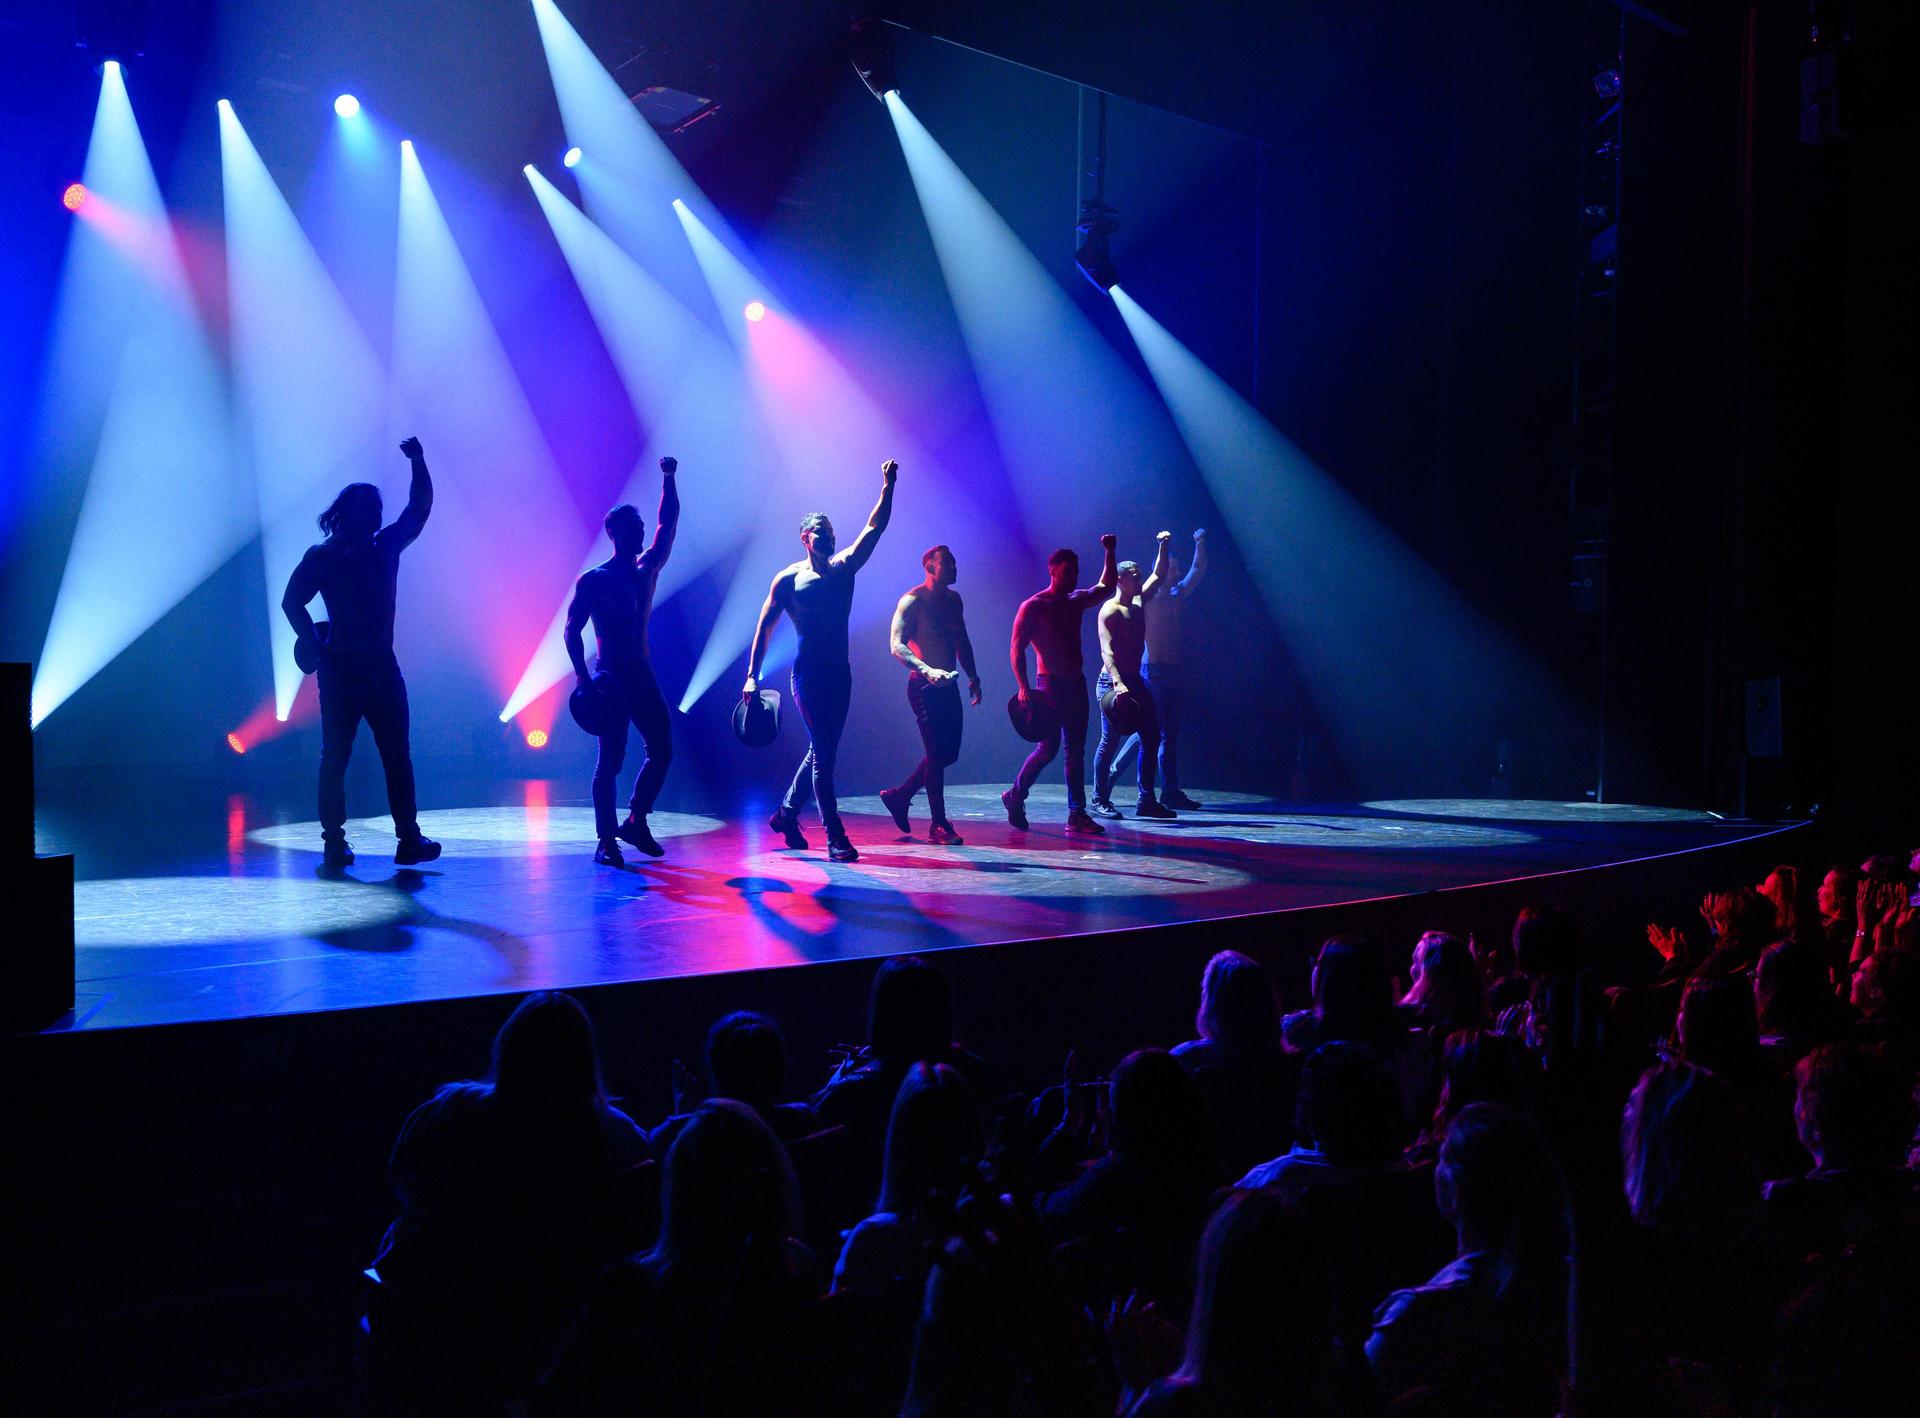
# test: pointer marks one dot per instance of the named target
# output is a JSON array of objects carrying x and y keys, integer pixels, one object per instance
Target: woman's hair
[
  {"x": 546, "y": 1060},
  {"x": 1160, "y": 1116},
  {"x": 1786, "y": 910},
  {"x": 727, "y": 1195},
  {"x": 1887, "y": 987},
  {"x": 1352, "y": 994},
  {"x": 1792, "y": 994},
  {"x": 1238, "y": 1010},
  {"x": 1262, "y": 1322},
  {"x": 332, "y": 519},
  {"x": 1481, "y": 1066},
  {"x": 1851, "y": 1108},
  {"x": 1742, "y": 918},
  {"x": 1498, "y": 1184},
  {"x": 910, "y": 1012},
  {"x": 746, "y": 1058},
  {"x": 934, "y": 1138},
  {"x": 1447, "y": 988},
  {"x": 1688, "y": 1155},
  {"x": 1717, "y": 1030}
]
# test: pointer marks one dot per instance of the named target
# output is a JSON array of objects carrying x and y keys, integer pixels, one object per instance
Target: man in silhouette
[
  {"x": 617, "y": 596},
  {"x": 356, "y": 572},
  {"x": 929, "y": 636},
  {"x": 1049, "y": 621},
  {"x": 1122, "y": 625},
  {"x": 1162, "y": 664},
  {"x": 818, "y": 594}
]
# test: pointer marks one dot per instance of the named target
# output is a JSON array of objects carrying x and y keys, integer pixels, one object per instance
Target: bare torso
[
  {"x": 933, "y": 621},
  {"x": 1123, "y": 637},
  {"x": 819, "y": 602},
  {"x": 1051, "y": 623}
]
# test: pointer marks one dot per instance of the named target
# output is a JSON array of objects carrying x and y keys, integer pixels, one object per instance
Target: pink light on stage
[
  {"x": 236, "y": 743},
  {"x": 264, "y": 724},
  {"x": 536, "y": 738},
  {"x": 755, "y": 311},
  {"x": 75, "y": 197}
]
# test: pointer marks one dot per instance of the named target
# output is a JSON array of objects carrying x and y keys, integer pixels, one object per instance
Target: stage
[{"x": 209, "y": 908}]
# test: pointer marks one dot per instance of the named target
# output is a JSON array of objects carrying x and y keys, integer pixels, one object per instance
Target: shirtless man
[
  {"x": 617, "y": 595},
  {"x": 1162, "y": 664},
  {"x": 818, "y": 594},
  {"x": 929, "y": 634},
  {"x": 1123, "y": 640},
  {"x": 1049, "y": 621}
]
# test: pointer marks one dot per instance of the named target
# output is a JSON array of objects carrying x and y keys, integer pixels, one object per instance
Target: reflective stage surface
[{"x": 187, "y": 911}]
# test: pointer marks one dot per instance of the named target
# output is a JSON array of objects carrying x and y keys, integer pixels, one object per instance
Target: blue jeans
[
  {"x": 1068, "y": 695},
  {"x": 1111, "y": 741},
  {"x": 821, "y": 694}
]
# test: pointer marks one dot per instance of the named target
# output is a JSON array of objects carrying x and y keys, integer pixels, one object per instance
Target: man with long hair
[
  {"x": 617, "y": 596},
  {"x": 929, "y": 636},
  {"x": 356, "y": 572},
  {"x": 818, "y": 594}
]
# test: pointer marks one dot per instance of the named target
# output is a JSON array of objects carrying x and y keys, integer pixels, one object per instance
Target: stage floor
[{"x": 224, "y": 911}]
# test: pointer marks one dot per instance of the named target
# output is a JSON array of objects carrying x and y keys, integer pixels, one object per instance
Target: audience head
[
  {"x": 1716, "y": 1028},
  {"x": 1837, "y": 892},
  {"x": 1781, "y": 886},
  {"x": 1498, "y": 1185},
  {"x": 934, "y": 1138},
  {"x": 1888, "y": 868},
  {"x": 1886, "y": 988},
  {"x": 746, "y": 1058},
  {"x": 1480, "y": 1066},
  {"x": 727, "y": 1193},
  {"x": 1447, "y": 988},
  {"x": 1349, "y": 1105},
  {"x": 1689, "y": 1162},
  {"x": 545, "y": 1058},
  {"x": 1741, "y": 919},
  {"x": 1239, "y": 1013},
  {"x": 1791, "y": 993},
  {"x": 1493, "y": 955},
  {"x": 1262, "y": 1321},
  {"x": 910, "y": 1013},
  {"x": 1851, "y": 1108},
  {"x": 1545, "y": 941},
  {"x": 1159, "y": 1113},
  {"x": 1353, "y": 994}
]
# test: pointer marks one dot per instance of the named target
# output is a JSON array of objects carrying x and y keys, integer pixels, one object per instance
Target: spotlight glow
[
  {"x": 346, "y": 105},
  {"x": 570, "y": 158},
  {"x": 536, "y": 738},
  {"x": 755, "y": 311},
  {"x": 75, "y": 197},
  {"x": 234, "y": 743}
]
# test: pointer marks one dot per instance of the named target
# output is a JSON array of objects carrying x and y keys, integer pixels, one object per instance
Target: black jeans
[
  {"x": 937, "y": 708},
  {"x": 629, "y": 687},
  {"x": 352, "y": 688},
  {"x": 1068, "y": 695},
  {"x": 1111, "y": 740},
  {"x": 821, "y": 693}
]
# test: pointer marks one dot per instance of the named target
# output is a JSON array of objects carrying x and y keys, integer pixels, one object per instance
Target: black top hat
[
  {"x": 306, "y": 653},
  {"x": 756, "y": 718},
  {"x": 591, "y": 709},
  {"x": 1123, "y": 710},
  {"x": 1037, "y": 720}
]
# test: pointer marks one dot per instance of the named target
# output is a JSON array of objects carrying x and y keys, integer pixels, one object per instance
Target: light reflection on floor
[
  {"x": 483, "y": 831},
  {"x": 1533, "y": 810},
  {"x": 195, "y": 910}
]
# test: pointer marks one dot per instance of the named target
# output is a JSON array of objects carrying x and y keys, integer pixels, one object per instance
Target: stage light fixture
[
  {"x": 1091, "y": 256},
  {"x": 570, "y": 158},
  {"x": 536, "y": 738},
  {"x": 224, "y": 105},
  {"x": 346, "y": 105},
  {"x": 75, "y": 197},
  {"x": 755, "y": 311},
  {"x": 872, "y": 54},
  {"x": 234, "y": 742}
]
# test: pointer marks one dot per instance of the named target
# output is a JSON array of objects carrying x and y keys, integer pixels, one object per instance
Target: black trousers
[
  {"x": 822, "y": 694},
  {"x": 1111, "y": 740},
  {"x": 355, "y": 687},
  {"x": 631, "y": 688},
  {"x": 937, "y": 709},
  {"x": 1068, "y": 695}
]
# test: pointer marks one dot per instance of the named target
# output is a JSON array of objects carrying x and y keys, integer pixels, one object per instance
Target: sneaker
[
  {"x": 1080, "y": 822},
  {"x": 1100, "y": 807},
  {"x": 337, "y": 854},
  {"x": 1178, "y": 799},
  {"x": 635, "y": 830},
  {"x": 1159, "y": 811},
  {"x": 941, "y": 834},
  {"x": 607, "y": 854},
  {"x": 1016, "y": 809},
  {"x": 414, "y": 850},
  {"x": 895, "y": 802},
  {"x": 839, "y": 849},
  {"x": 787, "y": 824}
]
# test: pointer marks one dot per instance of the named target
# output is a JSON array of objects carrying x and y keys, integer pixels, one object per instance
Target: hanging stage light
[
  {"x": 1091, "y": 256},
  {"x": 872, "y": 54}
]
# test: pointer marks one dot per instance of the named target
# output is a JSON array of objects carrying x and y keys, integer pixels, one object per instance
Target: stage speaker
[{"x": 1765, "y": 736}]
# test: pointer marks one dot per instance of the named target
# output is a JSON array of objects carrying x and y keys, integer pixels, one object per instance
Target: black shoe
[
  {"x": 635, "y": 830},
  {"x": 337, "y": 854},
  {"x": 839, "y": 849},
  {"x": 787, "y": 824},
  {"x": 1100, "y": 807},
  {"x": 1178, "y": 799},
  {"x": 941, "y": 834},
  {"x": 1159, "y": 811},
  {"x": 1080, "y": 822},
  {"x": 895, "y": 802},
  {"x": 1016, "y": 810},
  {"x": 414, "y": 850},
  {"x": 607, "y": 854}
]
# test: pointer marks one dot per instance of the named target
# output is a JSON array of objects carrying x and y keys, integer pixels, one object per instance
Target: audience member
[
  {"x": 746, "y": 1061},
  {"x": 1716, "y": 1030},
  {"x": 1447, "y": 992},
  {"x": 1836, "y": 902},
  {"x": 1353, "y": 1003},
  {"x": 1248, "y": 1080},
  {"x": 1477, "y": 1066},
  {"x": 1794, "y": 1003}
]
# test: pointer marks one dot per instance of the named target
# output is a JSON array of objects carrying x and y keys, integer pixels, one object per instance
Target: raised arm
[
  {"x": 855, "y": 556},
  {"x": 1109, "y": 576},
  {"x": 577, "y": 613},
  {"x": 769, "y": 617},
  {"x": 668, "y": 522},
  {"x": 900, "y": 637},
  {"x": 1017, "y": 650},
  {"x": 419, "y": 495},
  {"x": 1186, "y": 585},
  {"x": 302, "y": 587},
  {"x": 1157, "y": 576},
  {"x": 963, "y": 648}
]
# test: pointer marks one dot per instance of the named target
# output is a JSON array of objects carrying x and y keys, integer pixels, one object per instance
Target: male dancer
[
  {"x": 1049, "y": 621},
  {"x": 617, "y": 596},
  {"x": 818, "y": 594},
  {"x": 1162, "y": 666},
  {"x": 929, "y": 633},
  {"x": 1123, "y": 639},
  {"x": 356, "y": 571}
]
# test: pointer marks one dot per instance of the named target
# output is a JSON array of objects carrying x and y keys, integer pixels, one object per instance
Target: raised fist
[
  {"x": 889, "y": 470},
  {"x": 1164, "y": 537},
  {"x": 1199, "y": 534},
  {"x": 669, "y": 466},
  {"x": 411, "y": 447},
  {"x": 1108, "y": 541}
]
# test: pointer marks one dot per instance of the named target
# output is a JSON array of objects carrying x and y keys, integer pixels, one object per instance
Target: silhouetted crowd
[{"x": 1500, "y": 1185}]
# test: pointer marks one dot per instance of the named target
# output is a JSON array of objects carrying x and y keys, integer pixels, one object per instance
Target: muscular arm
[
  {"x": 1109, "y": 575},
  {"x": 419, "y": 496},
  {"x": 1157, "y": 576},
  {"x": 855, "y": 556},
  {"x": 769, "y": 617},
  {"x": 1104, "y": 620},
  {"x": 302, "y": 587},
  {"x": 1185, "y": 586},
  {"x": 1017, "y": 651},
  {"x": 901, "y": 636},
  {"x": 668, "y": 521},
  {"x": 962, "y": 646},
  {"x": 577, "y": 613}
]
